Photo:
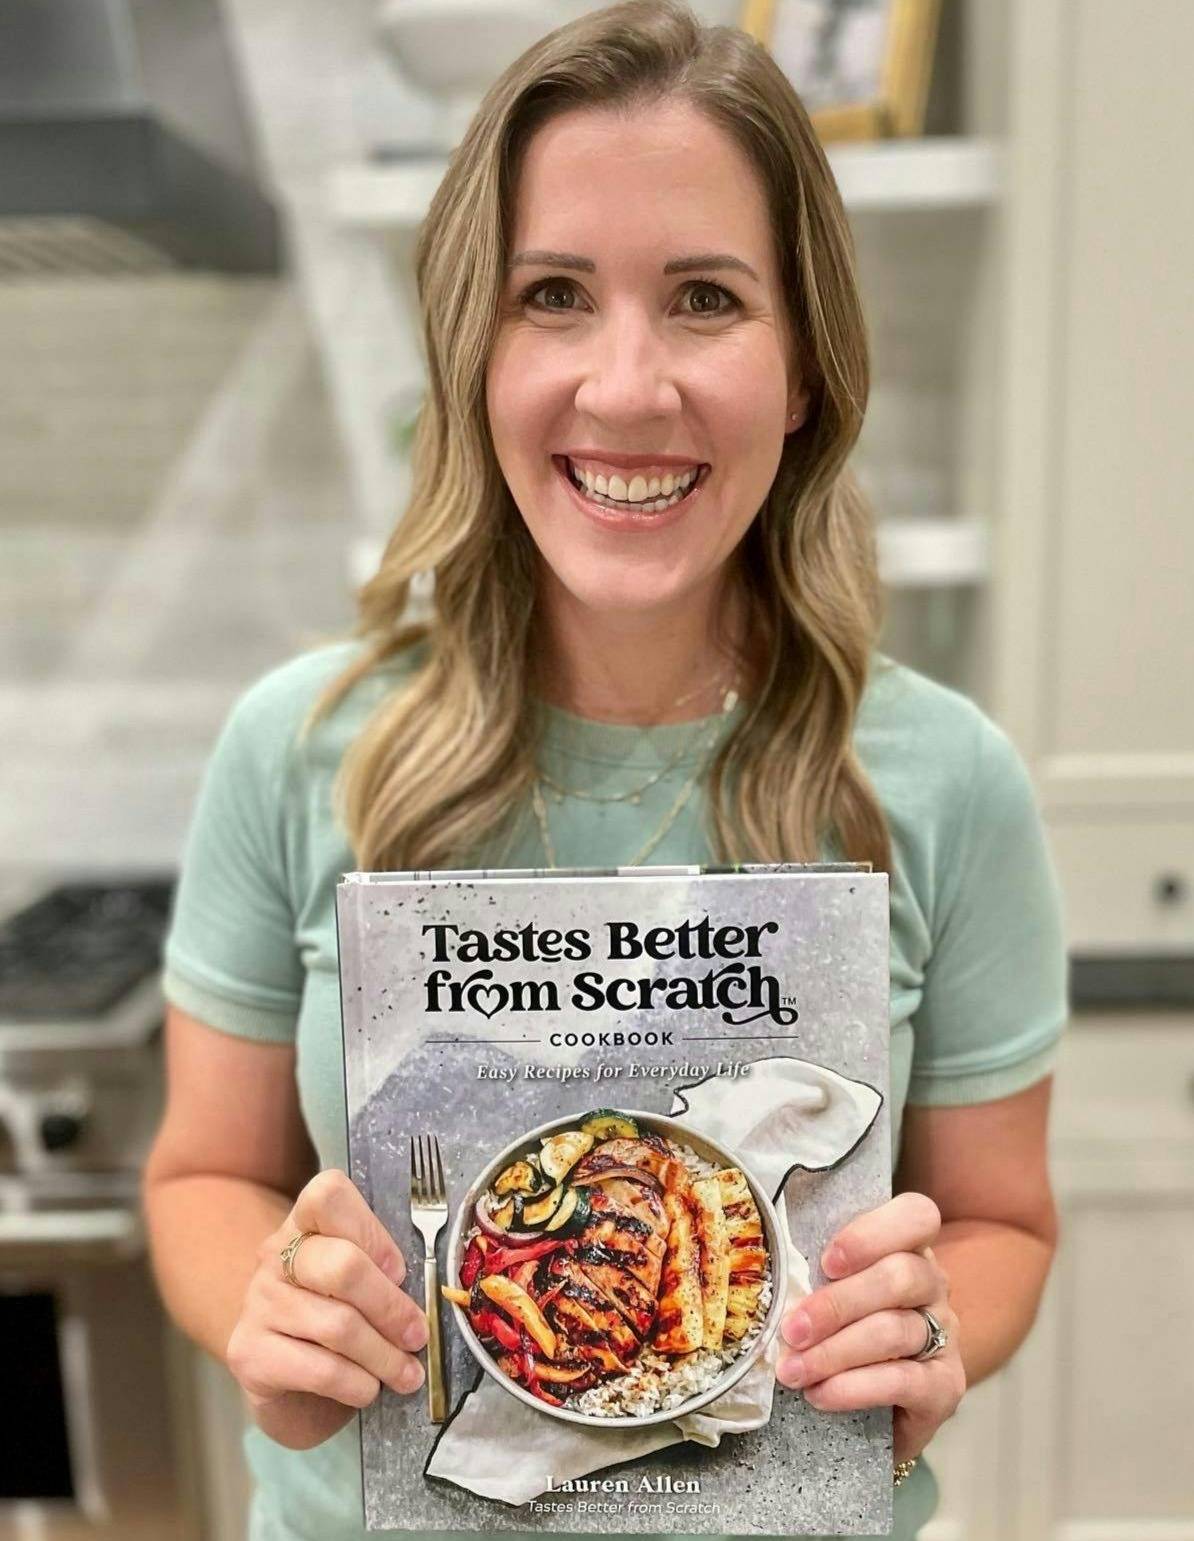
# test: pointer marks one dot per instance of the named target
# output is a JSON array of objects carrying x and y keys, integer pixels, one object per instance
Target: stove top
[{"x": 82, "y": 948}]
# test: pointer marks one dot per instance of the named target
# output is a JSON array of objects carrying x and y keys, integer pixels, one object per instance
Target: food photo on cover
[{"x": 611, "y": 1270}]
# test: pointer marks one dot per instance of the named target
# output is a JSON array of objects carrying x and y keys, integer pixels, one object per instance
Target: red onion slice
[
  {"x": 635, "y": 1173},
  {"x": 491, "y": 1228}
]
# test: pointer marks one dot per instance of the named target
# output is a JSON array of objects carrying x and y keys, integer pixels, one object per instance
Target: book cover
[{"x": 653, "y": 1095}]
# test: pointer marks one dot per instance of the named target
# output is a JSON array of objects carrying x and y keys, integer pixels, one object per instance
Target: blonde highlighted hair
[{"x": 450, "y": 753}]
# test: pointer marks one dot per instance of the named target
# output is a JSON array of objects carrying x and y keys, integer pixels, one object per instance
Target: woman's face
[{"x": 603, "y": 354}]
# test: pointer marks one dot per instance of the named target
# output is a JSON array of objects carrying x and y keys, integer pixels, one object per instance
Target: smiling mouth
[{"x": 650, "y": 506}]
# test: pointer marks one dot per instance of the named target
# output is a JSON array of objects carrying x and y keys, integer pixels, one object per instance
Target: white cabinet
[
  {"x": 1087, "y": 1435},
  {"x": 1094, "y": 642}
]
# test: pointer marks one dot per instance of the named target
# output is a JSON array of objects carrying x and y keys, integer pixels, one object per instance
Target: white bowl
[
  {"x": 450, "y": 46},
  {"x": 462, "y": 46},
  {"x": 709, "y": 1150}
]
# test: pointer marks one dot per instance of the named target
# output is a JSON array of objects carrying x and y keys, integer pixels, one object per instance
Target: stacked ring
[
  {"x": 936, "y": 1338},
  {"x": 288, "y": 1254}
]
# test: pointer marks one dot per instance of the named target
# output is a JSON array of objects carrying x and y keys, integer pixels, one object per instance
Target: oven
[{"x": 100, "y": 1433}]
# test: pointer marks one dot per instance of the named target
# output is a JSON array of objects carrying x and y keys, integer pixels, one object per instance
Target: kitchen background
[{"x": 207, "y": 350}]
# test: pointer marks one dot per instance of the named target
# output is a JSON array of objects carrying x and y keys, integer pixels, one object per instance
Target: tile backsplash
[{"x": 174, "y": 511}]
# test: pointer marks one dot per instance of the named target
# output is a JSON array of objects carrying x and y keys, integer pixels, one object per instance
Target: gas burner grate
[{"x": 80, "y": 948}]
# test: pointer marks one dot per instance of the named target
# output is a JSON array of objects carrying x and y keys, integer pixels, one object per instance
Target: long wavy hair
[{"x": 447, "y": 756}]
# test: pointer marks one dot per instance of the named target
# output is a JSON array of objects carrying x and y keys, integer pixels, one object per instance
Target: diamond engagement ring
[
  {"x": 937, "y": 1336},
  {"x": 288, "y": 1255}
]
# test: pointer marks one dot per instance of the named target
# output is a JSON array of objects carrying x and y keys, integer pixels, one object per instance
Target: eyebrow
[{"x": 565, "y": 259}]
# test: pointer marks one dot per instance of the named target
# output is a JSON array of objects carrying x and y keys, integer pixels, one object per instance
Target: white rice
[{"x": 657, "y": 1382}]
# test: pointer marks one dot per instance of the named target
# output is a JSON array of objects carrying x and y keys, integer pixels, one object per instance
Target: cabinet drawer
[
  {"x": 1126, "y": 1078},
  {"x": 1128, "y": 885}
]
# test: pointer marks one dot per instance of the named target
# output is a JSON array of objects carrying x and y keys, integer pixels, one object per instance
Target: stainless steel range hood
[{"x": 124, "y": 143}]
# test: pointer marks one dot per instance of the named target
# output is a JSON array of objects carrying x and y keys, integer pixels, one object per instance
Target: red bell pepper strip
[
  {"x": 499, "y": 1259},
  {"x": 524, "y": 1273},
  {"x": 530, "y": 1375},
  {"x": 472, "y": 1264},
  {"x": 489, "y": 1324}
]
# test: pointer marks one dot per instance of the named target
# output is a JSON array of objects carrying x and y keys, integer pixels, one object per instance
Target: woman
[{"x": 637, "y": 265}]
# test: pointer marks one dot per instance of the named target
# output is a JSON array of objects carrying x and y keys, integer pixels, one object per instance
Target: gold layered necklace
[
  {"x": 635, "y": 794},
  {"x": 706, "y": 737}
]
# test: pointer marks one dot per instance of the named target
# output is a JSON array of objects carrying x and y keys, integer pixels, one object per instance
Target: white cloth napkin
[{"x": 787, "y": 1114}]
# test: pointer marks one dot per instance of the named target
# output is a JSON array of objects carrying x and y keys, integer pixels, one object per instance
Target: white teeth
[
  {"x": 641, "y": 496},
  {"x": 639, "y": 490}
]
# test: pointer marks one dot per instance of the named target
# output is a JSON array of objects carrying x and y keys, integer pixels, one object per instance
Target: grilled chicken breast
[
  {"x": 585, "y": 1316},
  {"x": 632, "y": 1223},
  {"x": 605, "y": 1268},
  {"x": 647, "y": 1154}
]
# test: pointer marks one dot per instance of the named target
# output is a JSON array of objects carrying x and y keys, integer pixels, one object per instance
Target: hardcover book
[{"x": 631, "y": 1107}]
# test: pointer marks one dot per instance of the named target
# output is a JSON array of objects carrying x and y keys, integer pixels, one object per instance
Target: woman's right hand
[{"x": 308, "y": 1356}]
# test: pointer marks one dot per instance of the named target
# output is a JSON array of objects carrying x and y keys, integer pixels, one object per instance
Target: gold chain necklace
[
  {"x": 537, "y": 802},
  {"x": 634, "y": 794}
]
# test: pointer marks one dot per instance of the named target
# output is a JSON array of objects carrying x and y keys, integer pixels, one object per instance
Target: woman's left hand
[{"x": 847, "y": 1345}]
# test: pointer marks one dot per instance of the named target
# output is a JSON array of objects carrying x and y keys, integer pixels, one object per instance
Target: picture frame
[{"x": 861, "y": 67}]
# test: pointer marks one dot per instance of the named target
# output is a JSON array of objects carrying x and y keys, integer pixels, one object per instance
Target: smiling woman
[{"x": 637, "y": 267}]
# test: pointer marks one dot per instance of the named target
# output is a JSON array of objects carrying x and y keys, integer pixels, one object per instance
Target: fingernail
[
  {"x": 412, "y": 1376},
  {"x": 834, "y": 1260},
  {"x": 798, "y": 1329},
  {"x": 792, "y": 1370},
  {"x": 415, "y": 1335},
  {"x": 394, "y": 1269}
]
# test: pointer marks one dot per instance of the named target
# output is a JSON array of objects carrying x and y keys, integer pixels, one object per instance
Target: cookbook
[{"x": 631, "y": 1107}]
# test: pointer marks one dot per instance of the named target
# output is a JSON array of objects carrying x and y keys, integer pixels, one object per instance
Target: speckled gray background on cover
[{"x": 806, "y": 1472}]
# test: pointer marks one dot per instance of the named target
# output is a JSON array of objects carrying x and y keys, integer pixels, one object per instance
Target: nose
[{"x": 629, "y": 373}]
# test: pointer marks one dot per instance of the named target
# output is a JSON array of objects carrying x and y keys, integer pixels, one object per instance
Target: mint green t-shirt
[{"x": 978, "y": 967}]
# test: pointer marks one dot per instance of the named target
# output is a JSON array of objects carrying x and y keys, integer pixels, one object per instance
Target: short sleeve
[
  {"x": 995, "y": 996},
  {"x": 230, "y": 956}
]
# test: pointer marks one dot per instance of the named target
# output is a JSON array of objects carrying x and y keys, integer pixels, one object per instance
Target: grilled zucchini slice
[
  {"x": 606, "y": 1124},
  {"x": 503, "y": 1215},
  {"x": 522, "y": 1177},
  {"x": 573, "y": 1213},
  {"x": 534, "y": 1215},
  {"x": 562, "y": 1151}
]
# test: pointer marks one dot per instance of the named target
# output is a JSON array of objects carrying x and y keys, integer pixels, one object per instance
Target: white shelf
[
  {"x": 913, "y": 553},
  {"x": 902, "y": 174},
  {"x": 932, "y": 553},
  {"x": 945, "y": 173}
]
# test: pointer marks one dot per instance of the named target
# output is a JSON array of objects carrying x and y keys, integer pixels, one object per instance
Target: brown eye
[
  {"x": 547, "y": 285},
  {"x": 715, "y": 289},
  {"x": 565, "y": 286}
]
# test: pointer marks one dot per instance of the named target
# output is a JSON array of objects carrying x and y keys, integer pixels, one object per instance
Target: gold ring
[
  {"x": 901, "y": 1473},
  {"x": 288, "y": 1256}
]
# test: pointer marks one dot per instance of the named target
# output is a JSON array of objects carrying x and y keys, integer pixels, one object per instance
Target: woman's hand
[
  {"x": 309, "y": 1355},
  {"x": 847, "y": 1344}
]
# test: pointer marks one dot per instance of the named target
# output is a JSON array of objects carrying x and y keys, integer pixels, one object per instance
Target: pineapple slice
[
  {"x": 715, "y": 1257},
  {"x": 747, "y": 1246}
]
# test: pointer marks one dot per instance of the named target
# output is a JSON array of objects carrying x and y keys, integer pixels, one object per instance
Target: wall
[{"x": 173, "y": 513}]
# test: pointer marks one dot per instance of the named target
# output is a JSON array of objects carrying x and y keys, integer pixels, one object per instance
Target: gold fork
[{"x": 429, "y": 1211}]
